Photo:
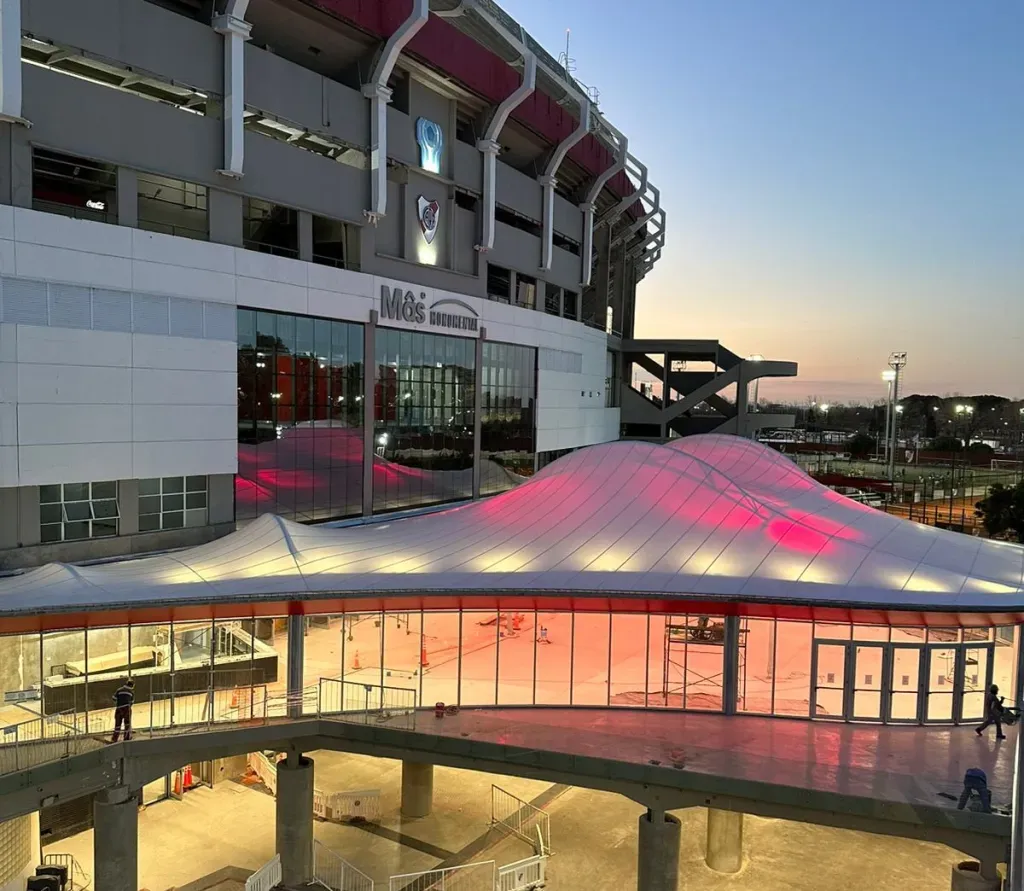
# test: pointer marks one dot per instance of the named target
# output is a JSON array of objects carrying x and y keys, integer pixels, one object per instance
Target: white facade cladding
[{"x": 118, "y": 351}]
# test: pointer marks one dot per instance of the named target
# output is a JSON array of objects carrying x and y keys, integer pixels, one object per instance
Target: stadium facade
[{"x": 313, "y": 259}]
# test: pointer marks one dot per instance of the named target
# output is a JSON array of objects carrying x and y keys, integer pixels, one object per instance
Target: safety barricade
[
  {"x": 266, "y": 877},
  {"x": 469, "y": 877},
  {"x": 523, "y": 875},
  {"x": 349, "y": 807},
  {"x": 265, "y": 769}
]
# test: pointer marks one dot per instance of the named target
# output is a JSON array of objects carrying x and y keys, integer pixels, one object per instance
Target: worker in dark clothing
[
  {"x": 124, "y": 697},
  {"x": 993, "y": 712}
]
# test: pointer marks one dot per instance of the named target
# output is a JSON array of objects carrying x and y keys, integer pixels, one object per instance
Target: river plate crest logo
[{"x": 427, "y": 211}]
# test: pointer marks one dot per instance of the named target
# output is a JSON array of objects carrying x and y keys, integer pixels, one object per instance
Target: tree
[
  {"x": 1002, "y": 511},
  {"x": 860, "y": 446},
  {"x": 946, "y": 444}
]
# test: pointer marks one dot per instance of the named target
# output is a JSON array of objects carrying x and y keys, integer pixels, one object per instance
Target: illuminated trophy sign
[
  {"x": 405, "y": 306},
  {"x": 430, "y": 139}
]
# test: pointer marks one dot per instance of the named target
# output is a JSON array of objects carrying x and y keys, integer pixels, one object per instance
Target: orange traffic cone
[
  {"x": 424, "y": 662},
  {"x": 355, "y": 662},
  {"x": 234, "y": 698}
]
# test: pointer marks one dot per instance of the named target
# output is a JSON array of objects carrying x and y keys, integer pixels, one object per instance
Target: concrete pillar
[
  {"x": 973, "y": 876},
  {"x": 294, "y": 820},
  {"x": 116, "y": 840},
  {"x": 224, "y": 211},
  {"x": 127, "y": 197},
  {"x": 725, "y": 841},
  {"x": 305, "y": 220},
  {"x": 417, "y": 789},
  {"x": 658, "y": 852}
]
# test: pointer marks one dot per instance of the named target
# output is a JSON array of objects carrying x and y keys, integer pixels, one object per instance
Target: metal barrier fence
[
  {"x": 335, "y": 873},
  {"x": 523, "y": 875},
  {"x": 78, "y": 878},
  {"x": 266, "y": 877},
  {"x": 522, "y": 819},
  {"x": 265, "y": 769},
  {"x": 469, "y": 877},
  {"x": 346, "y": 807}
]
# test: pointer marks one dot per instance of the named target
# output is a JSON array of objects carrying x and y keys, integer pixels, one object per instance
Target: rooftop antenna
[
  {"x": 567, "y": 62},
  {"x": 568, "y": 65}
]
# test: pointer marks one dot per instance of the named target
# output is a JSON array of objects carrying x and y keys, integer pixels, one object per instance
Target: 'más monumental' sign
[{"x": 405, "y": 306}]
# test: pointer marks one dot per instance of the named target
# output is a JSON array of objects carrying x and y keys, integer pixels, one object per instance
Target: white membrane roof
[{"x": 704, "y": 518}]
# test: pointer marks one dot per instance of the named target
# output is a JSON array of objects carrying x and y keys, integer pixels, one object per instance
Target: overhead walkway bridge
[{"x": 899, "y": 781}]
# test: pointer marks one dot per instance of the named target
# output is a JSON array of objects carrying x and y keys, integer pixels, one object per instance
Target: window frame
[
  {"x": 167, "y": 491},
  {"x": 97, "y": 511}
]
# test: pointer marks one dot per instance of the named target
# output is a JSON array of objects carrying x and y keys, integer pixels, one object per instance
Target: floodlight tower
[{"x": 897, "y": 361}]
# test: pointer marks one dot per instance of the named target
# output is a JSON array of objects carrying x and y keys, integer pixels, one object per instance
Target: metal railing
[
  {"x": 335, "y": 873},
  {"x": 266, "y": 877},
  {"x": 468, "y": 877},
  {"x": 364, "y": 703},
  {"x": 44, "y": 739},
  {"x": 522, "y": 819}
]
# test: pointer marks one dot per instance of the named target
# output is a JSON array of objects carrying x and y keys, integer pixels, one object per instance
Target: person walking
[
  {"x": 993, "y": 712},
  {"x": 124, "y": 697}
]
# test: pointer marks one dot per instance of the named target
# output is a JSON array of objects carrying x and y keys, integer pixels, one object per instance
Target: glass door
[
  {"x": 905, "y": 670},
  {"x": 940, "y": 686},
  {"x": 975, "y": 675},
  {"x": 869, "y": 667},
  {"x": 829, "y": 671}
]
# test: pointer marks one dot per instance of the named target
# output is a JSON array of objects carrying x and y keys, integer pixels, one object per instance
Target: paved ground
[{"x": 593, "y": 836}]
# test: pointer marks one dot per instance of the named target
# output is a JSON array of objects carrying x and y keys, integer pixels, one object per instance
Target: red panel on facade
[{"x": 446, "y": 48}]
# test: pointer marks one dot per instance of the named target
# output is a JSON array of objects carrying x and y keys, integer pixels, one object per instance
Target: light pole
[
  {"x": 888, "y": 377},
  {"x": 757, "y": 357},
  {"x": 959, "y": 411},
  {"x": 897, "y": 361},
  {"x": 821, "y": 431}
]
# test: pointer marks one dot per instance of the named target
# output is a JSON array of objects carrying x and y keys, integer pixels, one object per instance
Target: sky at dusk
[{"x": 842, "y": 179}]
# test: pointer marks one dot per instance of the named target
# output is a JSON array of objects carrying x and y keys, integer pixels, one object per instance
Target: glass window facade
[
  {"x": 192, "y": 672},
  {"x": 78, "y": 511},
  {"x": 300, "y": 417},
  {"x": 424, "y": 414},
  {"x": 172, "y": 503},
  {"x": 508, "y": 416}
]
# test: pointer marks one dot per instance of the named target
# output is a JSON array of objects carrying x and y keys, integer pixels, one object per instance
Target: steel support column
[
  {"x": 296, "y": 660},
  {"x": 1015, "y": 879},
  {"x": 235, "y": 30},
  {"x": 369, "y": 409},
  {"x": 478, "y": 397},
  {"x": 731, "y": 665}
]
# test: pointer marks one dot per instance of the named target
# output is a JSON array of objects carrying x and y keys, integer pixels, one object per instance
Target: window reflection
[
  {"x": 590, "y": 659},
  {"x": 554, "y": 658},
  {"x": 507, "y": 423},
  {"x": 423, "y": 419},
  {"x": 300, "y": 417},
  {"x": 628, "y": 660},
  {"x": 480, "y": 635}
]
